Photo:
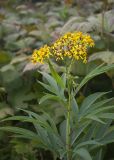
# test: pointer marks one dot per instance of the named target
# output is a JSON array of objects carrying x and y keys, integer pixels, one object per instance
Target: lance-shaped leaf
[
  {"x": 83, "y": 153},
  {"x": 95, "y": 72},
  {"x": 56, "y": 76}
]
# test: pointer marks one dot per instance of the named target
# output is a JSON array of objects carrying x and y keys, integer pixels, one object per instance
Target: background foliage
[{"x": 25, "y": 25}]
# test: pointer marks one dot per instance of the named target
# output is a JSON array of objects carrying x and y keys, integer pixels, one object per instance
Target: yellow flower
[
  {"x": 41, "y": 55},
  {"x": 71, "y": 45}
]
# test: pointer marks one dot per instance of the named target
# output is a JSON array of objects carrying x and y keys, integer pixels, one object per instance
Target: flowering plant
[
  {"x": 71, "y": 45},
  {"x": 85, "y": 128}
]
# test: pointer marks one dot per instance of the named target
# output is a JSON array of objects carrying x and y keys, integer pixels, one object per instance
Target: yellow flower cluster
[
  {"x": 41, "y": 54},
  {"x": 72, "y": 45}
]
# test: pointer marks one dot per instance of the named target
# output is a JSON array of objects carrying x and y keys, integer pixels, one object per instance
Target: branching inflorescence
[{"x": 71, "y": 45}]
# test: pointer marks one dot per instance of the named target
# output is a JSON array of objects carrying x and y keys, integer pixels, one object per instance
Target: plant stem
[
  {"x": 68, "y": 127},
  {"x": 68, "y": 131}
]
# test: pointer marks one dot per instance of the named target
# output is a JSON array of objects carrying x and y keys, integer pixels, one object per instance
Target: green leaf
[
  {"x": 64, "y": 79},
  {"x": 108, "y": 137},
  {"x": 63, "y": 131},
  {"x": 39, "y": 144},
  {"x": 102, "y": 109},
  {"x": 56, "y": 76},
  {"x": 42, "y": 133},
  {"x": 89, "y": 142},
  {"x": 83, "y": 153},
  {"x": 79, "y": 131},
  {"x": 51, "y": 122},
  {"x": 55, "y": 142},
  {"x": 47, "y": 97},
  {"x": 99, "y": 155},
  {"x": 39, "y": 121},
  {"x": 97, "y": 71},
  {"x": 21, "y": 131},
  {"x": 106, "y": 115},
  {"x": 88, "y": 101},
  {"x": 95, "y": 118},
  {"x": 90, "y": 132},
  {"x": 27, "y": 134},
  {"x": 99, "y": 104},
  {"x": 43, "y": 119},
  {"x": 52, "y": 87},
  {"x": 102, "y": 129},
  {"x": 74, "y": 105},
  {"x": 51, "y": 82},
  {"x": 47, "y": 87}
]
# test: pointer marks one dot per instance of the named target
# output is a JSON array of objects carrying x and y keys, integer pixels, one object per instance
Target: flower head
[
  {"x": 41, "y": 54},
  {"x": 71, "y": 45}
]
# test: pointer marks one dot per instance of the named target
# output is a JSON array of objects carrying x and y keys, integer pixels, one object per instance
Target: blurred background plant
[{"x": 28, "y": 24}]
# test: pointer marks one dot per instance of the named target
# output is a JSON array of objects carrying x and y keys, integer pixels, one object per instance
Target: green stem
[
  {"x": 68, "y": 127},
  {"x": 68, "y": 131}
]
